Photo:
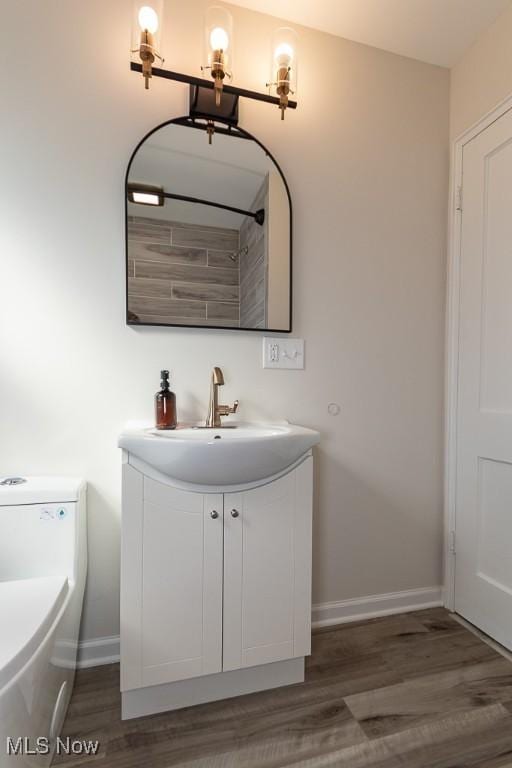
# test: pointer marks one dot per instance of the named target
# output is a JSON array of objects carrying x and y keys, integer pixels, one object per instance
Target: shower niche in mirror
[{"x": 208, "y": 231}]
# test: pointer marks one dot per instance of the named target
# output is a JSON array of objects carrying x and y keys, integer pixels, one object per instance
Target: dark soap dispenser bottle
[{"x": 165, "y": 404}]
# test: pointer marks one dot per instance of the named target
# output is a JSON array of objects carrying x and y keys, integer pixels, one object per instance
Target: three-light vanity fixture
[{"x": 217, "y": 57}]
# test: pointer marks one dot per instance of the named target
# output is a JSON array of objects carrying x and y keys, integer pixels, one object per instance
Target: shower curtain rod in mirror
[{"x": 258, "y": 216}]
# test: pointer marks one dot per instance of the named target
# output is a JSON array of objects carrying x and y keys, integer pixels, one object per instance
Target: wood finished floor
[{"x": 417, "y": 690}]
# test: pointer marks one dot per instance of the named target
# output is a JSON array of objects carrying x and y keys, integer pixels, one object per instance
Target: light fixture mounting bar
[
  {"x": 199, "y": 81},
  {"x": 197, "y": 122}
]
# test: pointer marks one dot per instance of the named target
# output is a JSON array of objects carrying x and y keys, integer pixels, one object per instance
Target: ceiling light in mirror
[{"x": 145, "y": 194}]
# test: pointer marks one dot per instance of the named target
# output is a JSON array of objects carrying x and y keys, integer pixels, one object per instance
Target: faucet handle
[{"x": 225, "y": 410}]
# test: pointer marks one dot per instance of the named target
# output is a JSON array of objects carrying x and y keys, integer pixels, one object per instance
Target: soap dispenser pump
[{"x": 165, "y": 404}]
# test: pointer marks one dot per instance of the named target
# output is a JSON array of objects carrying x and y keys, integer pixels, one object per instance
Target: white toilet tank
[
  {"x": 43, "y": 565},
  {"x": 42, "y": 528}
]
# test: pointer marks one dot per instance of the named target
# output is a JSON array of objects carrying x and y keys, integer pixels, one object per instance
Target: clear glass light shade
[
  {"x": 284, "y": 62},
  {"x": 218, "y": 39},
  {"x": 147, "y": 17}
]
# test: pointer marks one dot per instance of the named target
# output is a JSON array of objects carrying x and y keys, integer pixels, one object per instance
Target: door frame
[{"x": 452, "y": 340}]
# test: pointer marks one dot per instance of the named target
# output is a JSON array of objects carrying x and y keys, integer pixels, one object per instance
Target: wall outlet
[{"x": 283, "y": 353}]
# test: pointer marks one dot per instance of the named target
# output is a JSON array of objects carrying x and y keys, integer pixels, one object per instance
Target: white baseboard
[
  {"x": 95, "y": 653},
  {"x": 360, "y": 608},
  {"x": 105, "y": 650}
]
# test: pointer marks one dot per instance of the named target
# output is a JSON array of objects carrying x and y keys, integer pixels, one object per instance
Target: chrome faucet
[{"x": 215, "y": 411}]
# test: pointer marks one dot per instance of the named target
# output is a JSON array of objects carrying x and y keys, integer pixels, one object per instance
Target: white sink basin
[{"x": 243, "y": 453}]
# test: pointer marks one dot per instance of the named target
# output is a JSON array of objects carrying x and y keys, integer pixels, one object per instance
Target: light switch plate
[{"x": 283, "y": 353}]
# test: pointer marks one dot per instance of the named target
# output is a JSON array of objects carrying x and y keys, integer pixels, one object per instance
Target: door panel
[
  {"x": 181, "y": 618},
  {"x": 494, "y": 509},
  {"x": 496, "y": 310},
  {"x": 483, "y": 571},
  {"x": 267, "y": 578}
]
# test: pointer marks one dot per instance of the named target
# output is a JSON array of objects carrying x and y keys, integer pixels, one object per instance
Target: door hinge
[
  {"x": 458, "y": 198},
  {"x": 452, "y": 542}
]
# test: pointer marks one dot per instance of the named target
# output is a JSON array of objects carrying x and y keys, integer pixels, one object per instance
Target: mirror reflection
[{"x": 208, "y": 232}]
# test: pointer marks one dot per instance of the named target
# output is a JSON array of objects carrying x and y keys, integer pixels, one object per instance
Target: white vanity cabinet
[{"x": 215, "y": 588}]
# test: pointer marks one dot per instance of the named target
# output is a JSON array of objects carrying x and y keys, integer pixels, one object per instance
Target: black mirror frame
[{"x": 235, "y": 132}]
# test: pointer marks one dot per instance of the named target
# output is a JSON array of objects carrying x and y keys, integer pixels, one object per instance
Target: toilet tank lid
[{"x": 39, "y": 490}]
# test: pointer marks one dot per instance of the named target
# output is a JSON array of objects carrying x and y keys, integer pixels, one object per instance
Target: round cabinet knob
[
  {"x": 214, "y": 515},
  {"x": 235, "y": 513}
]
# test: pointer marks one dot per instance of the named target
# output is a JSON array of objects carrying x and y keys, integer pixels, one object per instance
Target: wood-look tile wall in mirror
[{"x": 208, "y": 232}]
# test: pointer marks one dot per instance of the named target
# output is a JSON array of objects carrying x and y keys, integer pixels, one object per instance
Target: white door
[
  {"x": 172, "y": 583},
  {"x": 483, "y": 571},
  {"x": 267, "y": 571}
]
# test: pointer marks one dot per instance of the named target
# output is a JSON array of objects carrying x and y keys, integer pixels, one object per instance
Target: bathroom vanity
[
  {"x": 216, "y": 520},
  {"x": 216, "y": 563}
]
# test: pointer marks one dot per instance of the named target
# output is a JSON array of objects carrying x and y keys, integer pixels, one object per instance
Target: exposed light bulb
[
  {"x": 148, "y": 19},
  {"x": 283, "y": 55},
  {"x": 219, "y": 39}
]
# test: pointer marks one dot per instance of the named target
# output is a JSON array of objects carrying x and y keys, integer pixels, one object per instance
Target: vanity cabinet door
[
  {"x": 172, "y": 626},
  {"x": 267, "y": 571}
]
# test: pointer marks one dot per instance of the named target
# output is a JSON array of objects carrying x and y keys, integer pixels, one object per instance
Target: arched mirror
[{"x": 208, "y": 231}]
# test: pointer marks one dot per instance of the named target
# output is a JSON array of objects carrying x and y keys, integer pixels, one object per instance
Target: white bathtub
[{"x": 43, "y": 563}]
